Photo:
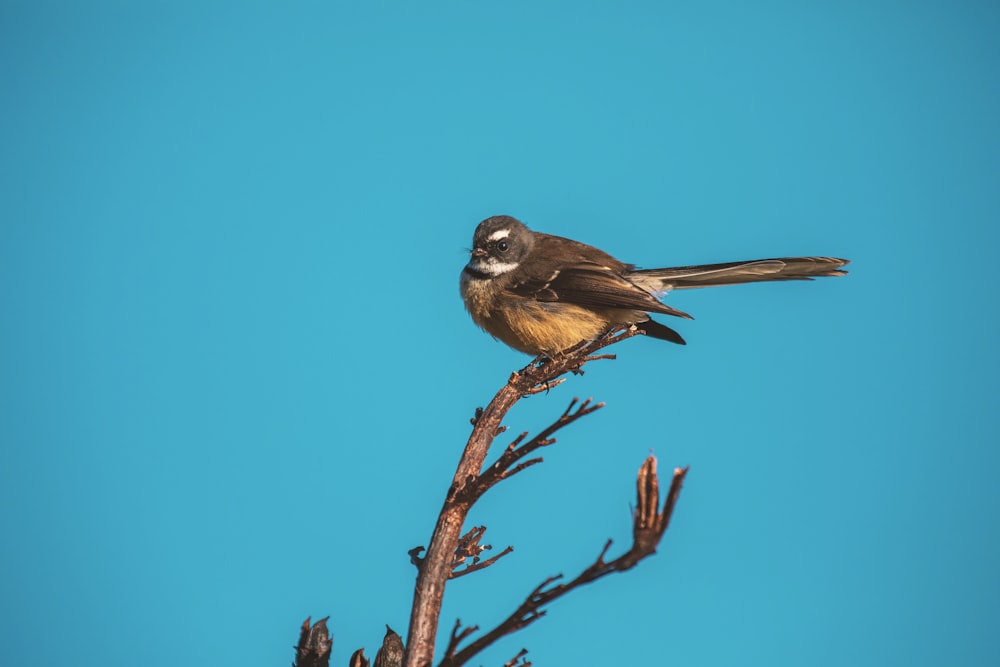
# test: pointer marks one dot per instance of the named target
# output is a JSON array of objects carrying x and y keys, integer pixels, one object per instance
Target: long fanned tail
[{"x": 736, "y": 273}]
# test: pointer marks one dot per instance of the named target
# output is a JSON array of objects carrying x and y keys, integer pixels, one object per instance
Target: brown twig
[
  {"x": 513, "y": 662},
  {"x": 648, "y": 527},
  {"x": 469, "y": 547},
  {"x": 480, "y": 565},
  {"x": 436, "y": 567},
  {"x": 457, "y": 635},
  {"x": 504, "y": 466}
]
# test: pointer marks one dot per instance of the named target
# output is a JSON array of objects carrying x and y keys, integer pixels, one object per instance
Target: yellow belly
[
  {"x": 530, "y": 326},
  {"x": 537, "y": 328}
]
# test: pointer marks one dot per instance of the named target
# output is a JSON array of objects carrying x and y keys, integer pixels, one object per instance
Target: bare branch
[
  {"x": 648, "y": 528},
  {"x": 481, "y": 565},
  {"x": 457, "y": 635},
  {"x": 524, "y": 464},
  {"x": 436, "y": 567},
  {"x": 502, "y": 468},
  {"x": 447, "y": 550}
]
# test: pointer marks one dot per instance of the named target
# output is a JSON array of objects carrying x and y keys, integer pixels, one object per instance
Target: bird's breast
[{"x": 531, "y": 326}]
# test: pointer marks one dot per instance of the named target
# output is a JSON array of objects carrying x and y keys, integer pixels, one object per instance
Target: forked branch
[
  {"x": 504, "y": 466},
  {"x": 449, "y": 553},
  {"x": 649, "y": 523},
  {"x": 436, "y": 567}
]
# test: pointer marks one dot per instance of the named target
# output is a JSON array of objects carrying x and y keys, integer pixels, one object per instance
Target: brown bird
[{"x": 541, "y": 294}]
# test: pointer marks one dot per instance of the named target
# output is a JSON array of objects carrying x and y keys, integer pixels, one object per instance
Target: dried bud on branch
[
  {"x": 391, "y": 653},
  {"x": 358, "y": 659},
  {"x": 313, "y": 649}
]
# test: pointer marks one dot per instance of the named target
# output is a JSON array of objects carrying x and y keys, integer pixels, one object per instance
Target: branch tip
[{"x": 513, "y": 662}]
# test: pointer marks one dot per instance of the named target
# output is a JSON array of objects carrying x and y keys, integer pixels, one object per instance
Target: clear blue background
[{"x": 236, "y": 375}]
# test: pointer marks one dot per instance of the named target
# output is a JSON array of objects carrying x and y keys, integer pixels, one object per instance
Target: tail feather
[
  {"x": 736, "y": 273},
  {"x": 654, "y": 329}
]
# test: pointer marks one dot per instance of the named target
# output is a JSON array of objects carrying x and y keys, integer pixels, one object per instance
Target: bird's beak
[{"x": 478, "y": 252}]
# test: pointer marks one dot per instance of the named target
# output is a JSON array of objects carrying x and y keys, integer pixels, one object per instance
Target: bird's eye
[{"x": 503, "y": 246}]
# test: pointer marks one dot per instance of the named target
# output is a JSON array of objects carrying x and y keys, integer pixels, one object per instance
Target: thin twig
[
  {"x": 457, "y": 636},
  {"x": 513, "y": 662},
  {"x": 480, "y": 565},
  {"x": 504, "y": 467}
]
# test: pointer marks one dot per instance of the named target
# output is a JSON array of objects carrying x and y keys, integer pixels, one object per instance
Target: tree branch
[
  {"x": 436, "y": 567},
  {"x": 504, "y": 467},
  {"x": 648, "y": 527}
]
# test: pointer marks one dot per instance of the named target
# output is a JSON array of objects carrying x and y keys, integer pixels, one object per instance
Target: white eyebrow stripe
[{"x": 499, "y": 234}]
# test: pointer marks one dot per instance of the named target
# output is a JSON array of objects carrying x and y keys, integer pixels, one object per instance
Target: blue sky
[{"x": 236, "y": 375}]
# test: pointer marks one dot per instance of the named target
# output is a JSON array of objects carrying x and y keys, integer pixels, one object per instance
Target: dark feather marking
[{"x": 654, "y": 329}]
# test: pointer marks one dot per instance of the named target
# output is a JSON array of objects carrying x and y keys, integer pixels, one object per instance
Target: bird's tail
[
  {"x": 654, "y": 329},
  {"x": 736, "y": 273}
]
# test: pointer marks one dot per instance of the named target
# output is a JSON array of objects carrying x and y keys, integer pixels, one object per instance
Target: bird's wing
[{"x": 591, "y": 286}]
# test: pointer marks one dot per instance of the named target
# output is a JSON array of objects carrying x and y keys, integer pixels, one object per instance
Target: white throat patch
[{"x": 491, "y": 266}]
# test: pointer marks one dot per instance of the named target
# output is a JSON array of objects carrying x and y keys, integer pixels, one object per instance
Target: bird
[{"x": 541, "y": 294}]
